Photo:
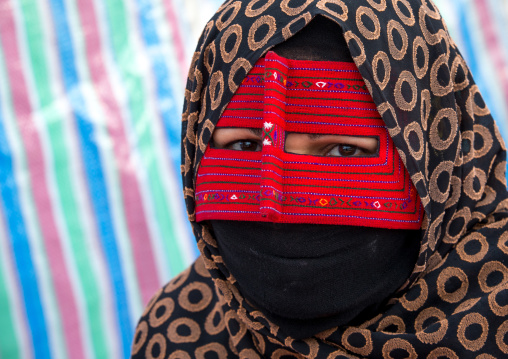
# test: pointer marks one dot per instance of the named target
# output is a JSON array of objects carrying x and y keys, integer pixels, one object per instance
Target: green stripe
[
  {"x": 9, "y": 345},
  {"x": 124, "y": 53},
  {"x": 63, "y": 176}
]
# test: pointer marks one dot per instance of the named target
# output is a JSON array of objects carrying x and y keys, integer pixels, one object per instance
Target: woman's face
[{"x": 249, "y": 139}]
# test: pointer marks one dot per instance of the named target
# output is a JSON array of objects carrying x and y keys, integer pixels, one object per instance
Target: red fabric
[{"x": 281, "y": 95}]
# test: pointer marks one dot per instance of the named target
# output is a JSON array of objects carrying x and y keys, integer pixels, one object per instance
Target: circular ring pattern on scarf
[
  {"x": 206, "y": 55},
  {"x": 236, "y": 337},
  {"x": 219, "y": 349},
  {"x": 476, "y": 257},
  {"x": 368, "y": 34},
  {"x": 286, "y": 31},
  {"x": 488, "y": 269},
  {"x": 469, "y": 190},
  {"x": 487, "y": 140},
  {"x": 464, "y": 214},
  {"x": 306, "y": 347},
  {"x": 279, "y": 353},
  {"x": 206, "y": 297},
  {"x": 381, "y": 6},
  {"x": 435, "y": 84},
  {"x": 389, "y": 321},
  {"x": 407, "y": 20},
  {"x": 236, "y": 30},
  {"x": 397, "y": 54},
  {"x": 155, "y": 319},
  {"x": 499, "y": 172},
  {"x": 239, "y": 63},
  {"x": 500, "y": 337},
  {"x": 293, "y": 11},
  {"x": 215, "y": 98},
  {"x": 383, "y": 57},
  {"x": 179, "y": 354},
  {"x": 249, "y": 12},
  {"x": 322, "y": 5},
  {"x": 478, "y": 111},
  {"x": 498, "y": 309},
  {"x": 447, "y": 274},
  {"x": 440, "y": 353},
  {"x": 249, "y": 354},
  {"x": 468, "y": 320},
  {"x": 406, "y": 77},
  {"x": 210, "y": 327},
  {"x": 436, "y": 194},
  {"x": 361, "y": 57},
  {"x": 140, "y": 337},
  {"x": 366, "y": 334},
  {"x": 437, "y": 335},
  {"x": 459, "y": 62},
  {"x": 397, "y": 343},
  {"x": 157, "y": 339},
  {"x": 221, "y": 23},
  {"x": 419, "y": 43},
  {"x": 418, "y": 302},
  {"x": 196, "y": 94},
  {"x": 456, "y": 191},
  {"x": 436, "y": 139},
  {"x": 502, "y": 244},
  {"x": 272, "y": 28},
  {"x": 415, "y": 127},
  {"x": 194, "y": 329}
]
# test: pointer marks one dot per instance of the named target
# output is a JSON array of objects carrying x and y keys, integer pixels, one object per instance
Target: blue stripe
[
  {"x": 21, "y": 250},
  {"x": 94, "y": 172},
  {"x": 170, "y": 114}
]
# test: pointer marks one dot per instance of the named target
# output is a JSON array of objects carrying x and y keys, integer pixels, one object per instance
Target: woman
[{"x": 314, "y": 242}]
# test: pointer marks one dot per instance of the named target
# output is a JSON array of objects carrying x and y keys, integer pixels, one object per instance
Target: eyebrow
[{"x": 256, "y": 131}]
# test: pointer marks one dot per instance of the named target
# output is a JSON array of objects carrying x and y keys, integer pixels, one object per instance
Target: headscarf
[{"x": 454, "y": 302}]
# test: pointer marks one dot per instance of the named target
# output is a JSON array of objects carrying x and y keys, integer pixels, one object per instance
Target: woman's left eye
[
  {"x": 244, "y": 145},
  {"x": 345, "y": 151}
]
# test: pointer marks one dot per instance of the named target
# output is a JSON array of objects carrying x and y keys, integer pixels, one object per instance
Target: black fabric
[{"x": 308, "y": 277}]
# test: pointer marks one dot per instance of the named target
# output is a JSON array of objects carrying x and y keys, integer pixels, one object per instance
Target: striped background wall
[{"x": 91, "y": 217}]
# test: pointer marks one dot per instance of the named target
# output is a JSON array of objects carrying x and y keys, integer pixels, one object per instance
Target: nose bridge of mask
[{"x": 274, "y": 134}]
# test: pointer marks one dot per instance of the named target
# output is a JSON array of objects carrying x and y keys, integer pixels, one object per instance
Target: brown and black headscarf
[{"x": 455, "y": 302}]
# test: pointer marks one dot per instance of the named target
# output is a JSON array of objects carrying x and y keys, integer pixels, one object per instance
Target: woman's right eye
[{"x": 244, "y": 145}]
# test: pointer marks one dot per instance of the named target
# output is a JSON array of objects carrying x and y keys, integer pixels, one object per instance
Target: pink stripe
[
  {"x": 133, "y": 205},
  {"x": 490, "y": 34},
  {"x": 177, "y": 38},
  {"x": 23, "y": 111}
]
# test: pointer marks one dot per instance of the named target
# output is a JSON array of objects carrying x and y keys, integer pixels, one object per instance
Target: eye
[
  {"x": 345, "y": 150},
  {"x": 244, "y": 145},
  {"x": 237, "y": 139}
]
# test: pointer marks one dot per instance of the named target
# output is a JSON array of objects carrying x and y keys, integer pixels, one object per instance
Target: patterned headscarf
[{"x": 454, "y": 303}]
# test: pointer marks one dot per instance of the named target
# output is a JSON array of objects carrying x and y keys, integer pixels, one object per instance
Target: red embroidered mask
[{"x": 280, "y": 98}]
